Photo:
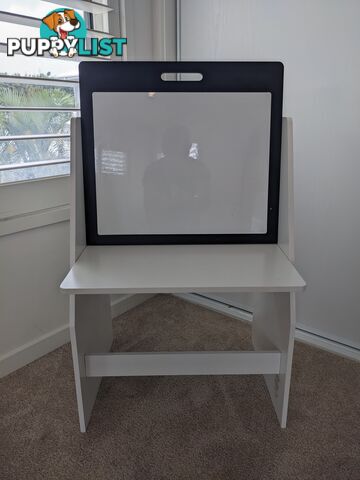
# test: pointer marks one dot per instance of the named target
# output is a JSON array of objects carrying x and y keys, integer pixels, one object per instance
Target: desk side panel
[
  {"x": 90, "y": 331},
  {"x": 286, "y": 201},
  {"x": 77, "y": 204},
  {"x": 90, "y": 316},
  {"x": 273, "y": 327}
]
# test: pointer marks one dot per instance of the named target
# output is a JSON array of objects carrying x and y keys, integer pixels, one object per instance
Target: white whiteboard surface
[{"x": 181, "y": 163}]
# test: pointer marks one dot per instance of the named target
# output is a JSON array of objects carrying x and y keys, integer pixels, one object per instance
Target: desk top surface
[{"x": 182, "y": 268}]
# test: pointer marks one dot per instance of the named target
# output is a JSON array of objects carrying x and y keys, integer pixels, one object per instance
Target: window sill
[
  {"x": 33, "y": 204},
  {"x": 40, "y": 218},
  {"x": 33, "y": 180}
]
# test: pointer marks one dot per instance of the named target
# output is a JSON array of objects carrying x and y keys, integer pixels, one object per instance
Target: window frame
[{"x": 90, "y": 17}]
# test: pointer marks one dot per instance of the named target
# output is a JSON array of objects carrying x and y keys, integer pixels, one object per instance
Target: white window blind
[{"x": 39, "y": 95}]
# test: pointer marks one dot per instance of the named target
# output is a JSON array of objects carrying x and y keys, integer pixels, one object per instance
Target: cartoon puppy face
[{"x": 62, "y": 22}]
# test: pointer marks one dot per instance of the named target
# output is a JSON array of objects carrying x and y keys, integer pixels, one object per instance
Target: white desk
[
  {"x": 182, "y": 268},
  {"x": 266, "y": 272}
]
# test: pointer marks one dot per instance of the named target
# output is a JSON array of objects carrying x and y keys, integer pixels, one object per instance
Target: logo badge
[{"x": 63, "y": 34}]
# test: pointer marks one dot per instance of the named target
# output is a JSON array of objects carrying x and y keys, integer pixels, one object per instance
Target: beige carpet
[{"x": 180, "y": 428}]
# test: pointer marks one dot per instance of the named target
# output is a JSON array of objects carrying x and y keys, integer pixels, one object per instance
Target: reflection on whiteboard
[{"x": 181, "y": 163}]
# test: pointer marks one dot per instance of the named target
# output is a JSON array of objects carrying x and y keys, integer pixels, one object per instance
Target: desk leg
[
  {"x": 274, "y": 326},
  {"x": 90, "y": 331}
]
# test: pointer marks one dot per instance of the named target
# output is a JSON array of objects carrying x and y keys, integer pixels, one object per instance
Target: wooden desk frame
[{"x": 273, "y": 324}]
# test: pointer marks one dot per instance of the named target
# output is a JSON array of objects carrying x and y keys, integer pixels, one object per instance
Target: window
[{"x": 39, "y": 95}]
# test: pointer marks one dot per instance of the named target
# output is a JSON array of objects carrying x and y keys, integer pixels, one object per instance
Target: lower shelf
[{"x": 182, "y": 363}]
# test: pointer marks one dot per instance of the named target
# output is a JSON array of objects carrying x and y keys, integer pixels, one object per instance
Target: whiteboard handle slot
[{"x": 181, "y": 77}]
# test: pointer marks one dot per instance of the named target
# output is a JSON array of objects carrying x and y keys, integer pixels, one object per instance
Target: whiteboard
[{"x": 181, "y": 162}]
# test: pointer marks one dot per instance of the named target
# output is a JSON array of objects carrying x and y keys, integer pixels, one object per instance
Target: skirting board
[
  {"x": 327, "y": 344},
  {"x": 216, "y": 306},
  {"x": 31, "y": 351},
  {"x": 310, "y": 338},
  {"x": 122, "y": 303}
]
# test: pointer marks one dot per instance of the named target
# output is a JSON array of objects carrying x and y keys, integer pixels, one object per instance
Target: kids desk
[{"x": 264, "y": 272}]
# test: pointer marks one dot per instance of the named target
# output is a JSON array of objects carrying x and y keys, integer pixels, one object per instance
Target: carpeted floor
[{"x": 181, "y": 428}]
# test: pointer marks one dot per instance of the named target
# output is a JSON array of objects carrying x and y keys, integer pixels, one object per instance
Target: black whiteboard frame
[{"x": 146, "y": 76}]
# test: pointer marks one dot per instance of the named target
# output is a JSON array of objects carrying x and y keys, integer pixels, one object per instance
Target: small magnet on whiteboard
[{"x": 151, "y": 94}]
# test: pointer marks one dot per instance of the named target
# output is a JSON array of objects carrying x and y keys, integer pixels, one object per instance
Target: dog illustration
[{"x": 62, "y": 23}]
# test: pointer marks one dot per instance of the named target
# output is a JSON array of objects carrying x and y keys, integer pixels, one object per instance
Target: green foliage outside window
[{"x": 14, "y": 123}]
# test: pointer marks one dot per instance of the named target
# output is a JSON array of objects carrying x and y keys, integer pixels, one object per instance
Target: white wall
[
  {"x": 33, "y": 264},
  {"x": 319, "y": 43},
  {"x": 34, "y": 258}
]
